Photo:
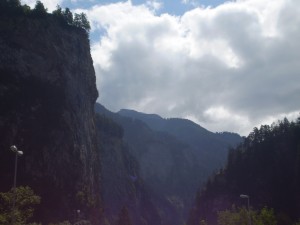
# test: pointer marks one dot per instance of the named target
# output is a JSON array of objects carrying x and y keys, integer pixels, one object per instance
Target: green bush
[{"x": 25, "y": 199}]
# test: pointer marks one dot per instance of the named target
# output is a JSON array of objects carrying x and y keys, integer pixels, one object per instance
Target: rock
[{"x": 47, "y": 96}]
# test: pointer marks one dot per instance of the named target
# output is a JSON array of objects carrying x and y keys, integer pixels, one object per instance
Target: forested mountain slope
[
  {"x": 170, "y": 166},
  {"x": 266, "y": 166}
]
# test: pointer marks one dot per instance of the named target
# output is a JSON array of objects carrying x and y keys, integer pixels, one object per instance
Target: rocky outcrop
[{"x": 47, "y": 95}]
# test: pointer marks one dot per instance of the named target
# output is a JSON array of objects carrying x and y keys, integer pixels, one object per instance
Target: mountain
[
  {"x": 122, "y": 185},
  {"x": 47, "y": 96},
  {"x": 266, "y": 167},
  {"x": 211, "y": 148},
  {"x": 171, "y": 166}
]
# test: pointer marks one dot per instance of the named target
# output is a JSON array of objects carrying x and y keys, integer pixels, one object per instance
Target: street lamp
[
  {"x": 248, "y": 198},
  {"x": 14, "y": 149}
]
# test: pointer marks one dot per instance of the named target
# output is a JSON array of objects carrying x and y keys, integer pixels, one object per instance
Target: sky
[{"x": 226, "y": 65}]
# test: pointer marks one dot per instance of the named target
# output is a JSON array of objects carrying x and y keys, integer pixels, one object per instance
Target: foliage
[
  {"x": 10, "y": 6},
  {"x": 61, "y": 223},
  {"x": 24, "y": 202},
  {"x": 203, "y": 222},
  {"x": 58, "y": 13},
  {"x": 80, "y": 20},
  {"x": 14, "y": 7},
  {"x": 266, "y": 217},
  {"x": 83, "y": 222},
  {"x": 106, "y": 222},
  {"x": 241, "y": 216},
  {"x": 124, "y": 217},
  {"x": 39, "y": 9},
  {"x": 68, "y": 16},
  {"x": 266, "y": 166},
  {"x": 298, "y": 223}
]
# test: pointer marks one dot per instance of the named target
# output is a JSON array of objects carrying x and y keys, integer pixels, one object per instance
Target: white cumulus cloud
[{"x": 231, "y": 67}]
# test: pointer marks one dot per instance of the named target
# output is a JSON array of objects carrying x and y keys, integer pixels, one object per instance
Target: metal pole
[
  {"x": 14, "y": 190},
  {"x": 249, "y": 210},
  {"x": 248, "y": 201}
]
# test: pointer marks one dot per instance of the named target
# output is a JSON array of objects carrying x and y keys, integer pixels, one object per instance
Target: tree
[
  {"x": 58, "y": 12},
  {"x": 68, "y": 16},
  {"x": 25, "y": 200},
  {"x": 124, "y": 217},
  {"x": 298, "y": 223},
  {"x": 61, "y": 223},
  {"x": 39, "y": 9},
  {"x": 11, "y": 7},
  {"x": 26, "y": 9},
  {"x": 233, "y": 217},
  {"x": 80, "y": 20},
  {"x": 203, "y": 222},
  {"x": 266, "y": 217},
  {"x": 240, "y": 216},
  {"x": 14, "y": 3}
]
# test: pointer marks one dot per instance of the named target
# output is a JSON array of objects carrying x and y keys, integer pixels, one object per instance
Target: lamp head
[
  {"x": 244, "y": 196},
  {"x": 14, "y": 148},
  {"x": 20, "y": 153}
]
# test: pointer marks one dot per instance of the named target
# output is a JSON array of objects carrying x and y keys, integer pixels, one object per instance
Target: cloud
[
  {"x": 193, "y": 3},
  {"x": 154, "y": 4},
  {"x": 231, "y": 67}
]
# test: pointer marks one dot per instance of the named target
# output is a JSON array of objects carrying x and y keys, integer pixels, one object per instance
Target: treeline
[
  {"x": 266, "y": 167},
  {"x": 65, "y": 17}
]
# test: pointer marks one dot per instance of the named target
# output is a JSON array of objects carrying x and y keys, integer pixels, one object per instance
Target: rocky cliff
[
  {"x": 122, "y": 185},
  {"x": 47, "y": 95}
]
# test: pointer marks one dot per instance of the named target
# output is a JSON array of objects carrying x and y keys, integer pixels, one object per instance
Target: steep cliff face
[
  {"x": 122, "y": 185},
  {"x": 47, "y": 95}
]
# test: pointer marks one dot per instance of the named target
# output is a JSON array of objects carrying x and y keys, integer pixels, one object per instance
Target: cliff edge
[{"x": 47, "y": 96}]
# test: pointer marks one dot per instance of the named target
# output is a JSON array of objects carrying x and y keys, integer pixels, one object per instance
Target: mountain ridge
[
  {"x": 199, "y": 138},
  {"x": 170, "y": 165}
]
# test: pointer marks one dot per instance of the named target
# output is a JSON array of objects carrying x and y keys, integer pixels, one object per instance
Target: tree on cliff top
[
  {"x": 80, "y": 20},
  {"x": 39, "y": 9},
  {"x": 14, "y": 7}
]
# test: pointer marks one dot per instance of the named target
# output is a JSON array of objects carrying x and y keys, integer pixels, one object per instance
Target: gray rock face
[{"x": 47, "y": 95}]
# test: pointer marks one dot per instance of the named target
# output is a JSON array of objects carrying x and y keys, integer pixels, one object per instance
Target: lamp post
[
  {"x": 18, "y": 153},
  {"x": 248, "y": 198}
]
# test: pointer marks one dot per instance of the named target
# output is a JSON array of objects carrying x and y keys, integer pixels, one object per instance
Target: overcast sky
[{"x": 229, "y": 66}]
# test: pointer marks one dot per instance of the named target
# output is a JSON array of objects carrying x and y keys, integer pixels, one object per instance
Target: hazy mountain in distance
[
  {"x": 176, "y": 156},
  {"x": 207, "y": 145}
]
